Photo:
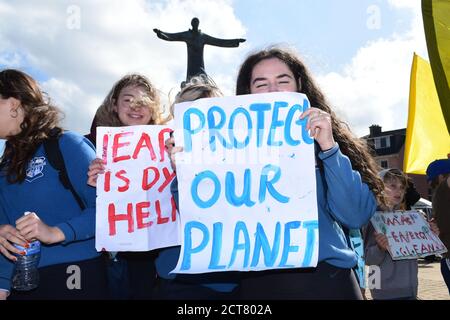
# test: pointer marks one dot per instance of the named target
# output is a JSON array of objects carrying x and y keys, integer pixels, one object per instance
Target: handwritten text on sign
[
  {"x": 135, "y": 209},
  {"x": 247, "y": 184},
  {"x": 409, "y": 235}
]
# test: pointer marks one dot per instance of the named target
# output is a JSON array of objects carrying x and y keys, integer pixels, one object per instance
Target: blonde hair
[
  {"x": 108, "y": 117},
  {"x": 198, "y": 87},
  {"x": 394, "y": 175}
]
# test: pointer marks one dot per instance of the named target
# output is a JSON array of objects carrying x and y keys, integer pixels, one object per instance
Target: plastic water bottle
[{"x": 26, "y": 275}]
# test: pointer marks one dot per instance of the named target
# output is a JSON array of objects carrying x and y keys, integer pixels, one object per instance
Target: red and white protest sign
[{"x": 135, "y": 208}]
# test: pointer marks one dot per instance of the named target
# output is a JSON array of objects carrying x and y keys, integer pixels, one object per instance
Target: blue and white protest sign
[{"x": 247, "y": 185}]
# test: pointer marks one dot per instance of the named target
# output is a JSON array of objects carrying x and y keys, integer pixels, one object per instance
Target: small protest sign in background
[{"x": 408, "y": 233}]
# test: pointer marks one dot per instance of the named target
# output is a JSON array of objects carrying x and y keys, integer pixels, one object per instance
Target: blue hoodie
[
  {"x": 343, "y": 200},
  {"x": 43, "y": 193}
]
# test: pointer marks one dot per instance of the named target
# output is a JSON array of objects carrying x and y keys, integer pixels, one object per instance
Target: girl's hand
[
  {"x": 172, "y": 150},
  {"x": 31, "y": 227},
  {"x": 382, "y": 241},
  {"x": 3, "y": 295},
  {"x": 8, "y": 236},
  {"x": 319, "y": 124},
  {"x": 95, "y": 168},
  {"x": 175, "y": 150},
  {"x": 434, "y": 227},
  {"x": 170, "y": 143}
]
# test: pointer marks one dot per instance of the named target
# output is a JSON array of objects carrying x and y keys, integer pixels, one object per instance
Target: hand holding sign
[
  {"x": 319, "y": 123},
  {"x": 96, "y": 167},
  {"x": 172, "y": 151},
  {"x": 382, "y": 241},
  {"x": 434, "y": 227}
]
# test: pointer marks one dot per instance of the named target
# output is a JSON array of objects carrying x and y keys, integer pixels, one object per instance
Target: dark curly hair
[
  {"x": 353, "y": 147},
  {"x": 40, "y": 117}
]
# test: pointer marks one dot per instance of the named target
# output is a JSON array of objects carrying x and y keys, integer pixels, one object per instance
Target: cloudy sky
[{"x": 360, "y": 51}]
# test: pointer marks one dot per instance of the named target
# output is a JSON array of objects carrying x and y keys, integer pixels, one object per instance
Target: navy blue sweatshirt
[{"x": 43, "y": 193}]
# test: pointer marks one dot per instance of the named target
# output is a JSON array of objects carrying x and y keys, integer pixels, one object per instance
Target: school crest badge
[{"x": 35, "y": 168}]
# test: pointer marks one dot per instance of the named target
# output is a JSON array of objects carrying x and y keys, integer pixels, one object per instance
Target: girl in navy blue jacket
[
  {"x": 133, "y": 100},
  {"x": 28, "y": 183}
]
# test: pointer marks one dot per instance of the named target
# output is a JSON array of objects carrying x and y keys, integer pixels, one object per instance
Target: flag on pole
[
  {"x": 427, "y": 138},
  {"x": 436, "y": 21}
]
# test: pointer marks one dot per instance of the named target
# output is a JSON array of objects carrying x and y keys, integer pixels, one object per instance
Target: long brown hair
[
  {"x": 106, "y": 116},
  {"x": 354, "y": 148},
  {"x": 40, "y": 117}
]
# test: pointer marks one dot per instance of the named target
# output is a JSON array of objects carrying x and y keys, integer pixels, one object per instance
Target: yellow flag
[
  {"x": 436, "y": 21},
  {"x": 427, "y": 138}
]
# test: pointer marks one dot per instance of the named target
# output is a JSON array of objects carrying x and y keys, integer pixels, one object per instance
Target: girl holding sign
[
  {"x": 133, "y": 100},
  {"x": 347, "y": 185},
  {"x": 29, "y": 182},
  {"x": 207, "y": 286},
  {"x": 398, "y": 278}
]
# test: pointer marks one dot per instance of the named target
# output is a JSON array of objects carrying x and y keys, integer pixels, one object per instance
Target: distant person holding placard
[
  {"x": 399, "y": 278},
  {"x": 133, "y": 100},
  {"x": 346, "y": 180},
  {"x": 438, "y": 174}
]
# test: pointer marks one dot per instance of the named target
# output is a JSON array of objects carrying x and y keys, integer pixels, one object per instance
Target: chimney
[{"x": 375, "y": 130}]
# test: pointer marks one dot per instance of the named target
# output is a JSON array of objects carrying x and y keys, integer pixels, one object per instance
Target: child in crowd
[{"x": 399, "y": 278}]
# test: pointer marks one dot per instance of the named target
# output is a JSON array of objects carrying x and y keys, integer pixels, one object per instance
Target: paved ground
[{"x": 431, "y": 284}]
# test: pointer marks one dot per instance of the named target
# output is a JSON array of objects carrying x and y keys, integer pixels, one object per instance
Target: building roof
[{"x": 397, "y": 140}]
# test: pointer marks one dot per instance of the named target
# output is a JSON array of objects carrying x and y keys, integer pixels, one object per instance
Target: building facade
[{"x": 388, "y": 148}]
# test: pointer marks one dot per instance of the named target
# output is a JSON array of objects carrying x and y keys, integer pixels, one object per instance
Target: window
[
  {"x": 382, "y": 142},
  {"x": 384, "y": 164},
  {"x": 377, "y": 143}
]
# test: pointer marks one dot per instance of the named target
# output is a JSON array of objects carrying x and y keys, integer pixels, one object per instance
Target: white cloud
[
  {"x": 66, "y": 95},
  {"x": 115, "y": 38},
  {"x": 412, "y": 4},
  {"x": 374, "y": 87}
]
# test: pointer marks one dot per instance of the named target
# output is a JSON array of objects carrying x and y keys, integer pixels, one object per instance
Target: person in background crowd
[
  {"x": 438, "y": 174},
  {"x": 411, "y": 194},
  {"x": 399, "y": 278}
]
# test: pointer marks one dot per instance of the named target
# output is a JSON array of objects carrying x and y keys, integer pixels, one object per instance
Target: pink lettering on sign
[
  {"x": 140, "y": 215},
  {"x": 122, "y": 150}
]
